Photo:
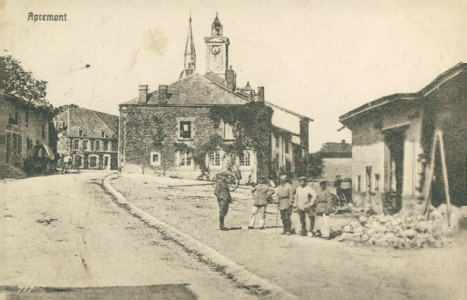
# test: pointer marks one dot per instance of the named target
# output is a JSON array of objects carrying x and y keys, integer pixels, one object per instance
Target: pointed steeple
[
  {"x": 190, "y": 53},
  {"x": 216, "y": 26}
]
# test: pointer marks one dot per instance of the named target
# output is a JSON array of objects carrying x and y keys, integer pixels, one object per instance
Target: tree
[{"x": 20, "y": 83}]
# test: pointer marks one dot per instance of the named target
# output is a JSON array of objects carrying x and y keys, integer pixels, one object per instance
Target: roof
[
  {"x": 92, "y": 123},
  {"x": 342, "y": 147},
  {"x": 287, "y": 110},
  {"x": 16, "y": 100},
  {"x": 439, "y": 80},
  {"x": 197, "y": 90}
]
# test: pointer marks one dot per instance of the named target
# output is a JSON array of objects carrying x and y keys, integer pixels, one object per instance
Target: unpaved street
[
  {"x": 64, "y": 231},
  {"x": 308, "y": 267}
]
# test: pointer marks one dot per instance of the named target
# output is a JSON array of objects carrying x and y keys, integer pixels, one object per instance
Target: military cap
[
  {"x": 303, "y": 178},
  {"x": 322, "y": 182}
]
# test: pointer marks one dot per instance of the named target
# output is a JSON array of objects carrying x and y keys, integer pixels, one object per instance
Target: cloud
[{"x": 155, "y": 41}]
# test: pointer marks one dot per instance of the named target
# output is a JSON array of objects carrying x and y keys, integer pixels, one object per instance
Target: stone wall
[
  {"x": 23, "y": 124},
  {"x": 146, "y": 129}
]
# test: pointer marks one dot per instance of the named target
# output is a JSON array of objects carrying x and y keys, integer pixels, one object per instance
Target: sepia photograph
[{"x": 261, "y": 149}]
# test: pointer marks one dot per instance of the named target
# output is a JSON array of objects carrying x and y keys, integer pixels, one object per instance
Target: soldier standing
[
  {"x": 224, "y": 199},
  {"x": 285, "y": 193},
  {"x": 305, "y": 196},
  {"x": 323, "y": 207},
  {"x": 261, "y": 193}
]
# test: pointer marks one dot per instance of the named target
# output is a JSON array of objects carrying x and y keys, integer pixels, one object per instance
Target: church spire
[{"x": 190, "y": 53}]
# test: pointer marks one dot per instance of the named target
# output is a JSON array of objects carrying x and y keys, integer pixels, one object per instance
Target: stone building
[
  {"x": 336, "y": 160},
  {"x": 22, "y": 126},
  {"x": 393, "y": 141},
  {"x": 163, "y": 130},
  {"x": 90, "y": 135}
]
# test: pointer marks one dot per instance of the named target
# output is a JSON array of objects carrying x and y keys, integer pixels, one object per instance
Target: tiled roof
[
  {"x": 197, "y": 89},
  {"x": 92, "y": 123}
]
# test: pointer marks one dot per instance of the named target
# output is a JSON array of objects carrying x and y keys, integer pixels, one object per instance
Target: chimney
[
  {"x": 143, "y": 94},
  {"x": 162, "y": 94},
  {"x": 252, "y": 95},
  {"x": 261, "y": 93},
  {"x": 304, "y": 137},
  {"x": 231, "y": 79}
]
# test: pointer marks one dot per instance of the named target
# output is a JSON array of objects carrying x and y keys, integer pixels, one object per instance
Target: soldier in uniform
[
  {"x": 224, "y": 199},
  {"x": 285, "y": 193},
  {"x": 323, "y": 207},
  {"x": 262, "y": 194}
]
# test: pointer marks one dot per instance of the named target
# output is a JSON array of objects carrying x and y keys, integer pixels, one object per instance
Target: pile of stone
[{"x": 400, "y": 232}]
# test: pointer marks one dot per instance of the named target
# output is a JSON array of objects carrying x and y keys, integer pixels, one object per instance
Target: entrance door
[
  {"x": 106, "y": 162},
  {"x": 394, "y": 140}
]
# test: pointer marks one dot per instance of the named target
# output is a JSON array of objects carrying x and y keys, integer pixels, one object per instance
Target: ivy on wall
[{"x": 253, "y": 126}]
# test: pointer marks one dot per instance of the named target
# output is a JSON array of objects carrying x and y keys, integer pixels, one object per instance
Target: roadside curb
[{"x": 205, "y": 254}]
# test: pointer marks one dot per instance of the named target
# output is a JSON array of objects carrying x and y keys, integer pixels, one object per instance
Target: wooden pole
[
  {"x": 445, "y": 175},
  {"x": 430, "y": 176}
]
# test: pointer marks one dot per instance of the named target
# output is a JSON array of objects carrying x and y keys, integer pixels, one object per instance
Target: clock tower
[{"x": 217, "y": 50}]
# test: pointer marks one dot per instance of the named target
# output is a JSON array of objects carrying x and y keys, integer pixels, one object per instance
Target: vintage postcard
[{"x": 255, "y": 149}]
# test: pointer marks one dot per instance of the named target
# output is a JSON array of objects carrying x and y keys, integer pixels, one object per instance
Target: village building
[
  {"x": 22, "y": 126},
  {"x": 164, "y": 130},
  {"x": 335, "y": 160},
  {"x": 394, "y": 163},
  {"x": 89, "y": 135}
]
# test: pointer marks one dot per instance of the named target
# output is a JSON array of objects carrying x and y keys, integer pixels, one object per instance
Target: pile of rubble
[{"x": 400, "y": 232}]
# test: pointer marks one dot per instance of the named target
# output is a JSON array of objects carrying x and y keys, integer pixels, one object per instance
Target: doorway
[
  {"x": 394, "y": 140},
  {"x": 106, "y": 162}
]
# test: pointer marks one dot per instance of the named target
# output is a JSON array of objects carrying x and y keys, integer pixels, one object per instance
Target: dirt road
[
  {"x": 309, "y": 267},
  {"x": 63, "y": 231}
]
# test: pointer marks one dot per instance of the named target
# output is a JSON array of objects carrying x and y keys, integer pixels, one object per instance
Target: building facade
[
  {"x": 163, "y": 131},
  {"x": 392, "y": 152},
  {"x": 90, "y": 135},
  {"x": 336, "y": 160},
  {"x": 22, "y": 126}
]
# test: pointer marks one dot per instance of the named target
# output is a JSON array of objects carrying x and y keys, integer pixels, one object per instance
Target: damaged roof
[{"x": 439, "y": 80}]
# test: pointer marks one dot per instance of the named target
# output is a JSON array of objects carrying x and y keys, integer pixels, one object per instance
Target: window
[
  {"x": 276, "y": 137},
  {"x": 229, "y": 133},
  {"x": 359, "y": 182},
  {"x": 185, "y": 130},
  {"x": 376, "y": 182},
  {"x": 103, "y": 134},
  {"x": 185, "y": 159},
  {"x": 81, "y": 133},
  {"x": 368, "y": 178},
  {"x": 43, "y": 131},
  {"x": 106, "y": 146},
  {"x": 20, "y": 146},
  {"x": 97, "y": 146},
  {"x": 286, "y": 146},
  {"x": 13, "y": 118},
  {"x": 155, "y": 158},
  {"x": 245, "y": 159},
  {"x": 93, "y": 161},
  {"x": 85, "y": 145},
  {"x": 8, "y": 145},
  {"x": 75, "y": 144},
  {"x": 214, "y": 159}
]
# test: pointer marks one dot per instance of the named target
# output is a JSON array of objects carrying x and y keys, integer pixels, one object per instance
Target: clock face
[{"x": 215, "y": 50}]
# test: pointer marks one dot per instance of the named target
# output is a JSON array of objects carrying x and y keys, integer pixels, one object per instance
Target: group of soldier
[{"x": 302, "y": 200}]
